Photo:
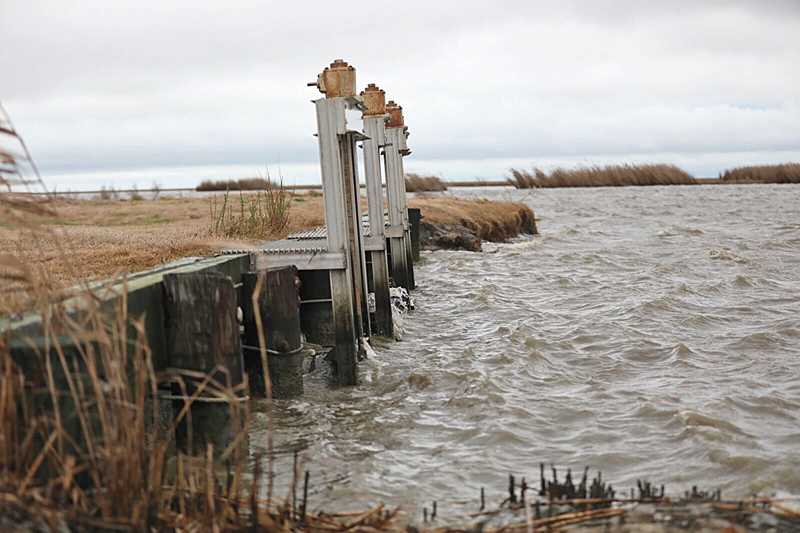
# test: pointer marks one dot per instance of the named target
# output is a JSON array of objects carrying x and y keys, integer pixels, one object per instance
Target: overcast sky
[{"x": 175, "y": 91}]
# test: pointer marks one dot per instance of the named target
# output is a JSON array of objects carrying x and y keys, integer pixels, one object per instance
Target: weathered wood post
[
  {"x": 374, "y": 116},
  {"x": 342, "y": 215},
  {"x": 414, "y": 219},
  {"x": 279, "y": 309},
  {"x": 203, "y": 336},
  {"x": 396, "y": 191}
]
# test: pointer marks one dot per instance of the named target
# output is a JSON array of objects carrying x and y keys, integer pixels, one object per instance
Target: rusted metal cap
[
  {"x": 395, "y": 115},
  {"x": 374, "y": 100},
  {"x": 339, "y": 79}
]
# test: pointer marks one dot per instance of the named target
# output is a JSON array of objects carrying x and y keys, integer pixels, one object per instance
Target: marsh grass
[
  {"x": 605, "y": 176},
  {"x": 489, "y": 220},
  {"x": 257, "y": 215},
  {"x": 418, "y": 183},
  {"x": 783, "y": 173}
]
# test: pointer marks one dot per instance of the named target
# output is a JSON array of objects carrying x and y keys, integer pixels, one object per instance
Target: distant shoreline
[{"x": 317, "y": 187}]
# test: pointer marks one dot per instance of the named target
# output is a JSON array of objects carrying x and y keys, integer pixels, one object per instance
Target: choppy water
[{"x": 648, "y": 332}]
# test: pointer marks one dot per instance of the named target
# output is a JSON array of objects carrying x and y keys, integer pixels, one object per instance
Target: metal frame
[
  {"x": 374, "y": 128},
  {"x": 398, "y": 233}
]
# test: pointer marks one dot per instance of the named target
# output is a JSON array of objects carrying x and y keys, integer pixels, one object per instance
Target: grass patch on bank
[
  {"x": 601, "y": 176},
  {"x": 783, "y": 173},
  {"x": 418, "y": 183},
  {"x": 489, "y": 220}
]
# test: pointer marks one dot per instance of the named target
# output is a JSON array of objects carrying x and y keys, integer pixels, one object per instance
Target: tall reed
[
  {"x": 606, "y": 176},
  {"x": 418, "y": 183},
  {"x": 783, "y": 173}
]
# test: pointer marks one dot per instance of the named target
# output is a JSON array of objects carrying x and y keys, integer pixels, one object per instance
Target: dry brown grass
[
  {"x": 418, "y": 183},
  {"x": 783, "y": 173},
  {"x": 258, "y": 215},
  {"x": 597, "y": 176},
  {"x": 490, "y": 220},
  {"x": 107, "y": 238}
]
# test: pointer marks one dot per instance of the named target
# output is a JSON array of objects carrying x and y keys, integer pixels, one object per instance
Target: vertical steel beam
[
  {"x": 374, "y": 120},
  {"x": 402, "y": 147},
  {"x": 331, "y": 125},
  {"x": 398, "y": 217}
]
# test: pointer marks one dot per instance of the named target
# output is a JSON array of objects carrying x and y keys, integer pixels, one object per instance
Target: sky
[{"x": 135, "y": 92}]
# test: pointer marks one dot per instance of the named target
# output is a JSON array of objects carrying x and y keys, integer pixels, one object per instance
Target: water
[{"x": 648, "y": 332}]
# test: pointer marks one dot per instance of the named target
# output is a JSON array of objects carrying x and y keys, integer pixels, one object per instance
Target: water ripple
[{"x": 648, "y": 333}]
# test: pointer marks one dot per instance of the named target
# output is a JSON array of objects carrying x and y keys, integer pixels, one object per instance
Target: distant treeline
[
  {"x": 242, "y": 184},
  {"x": 785, "y": 173}
]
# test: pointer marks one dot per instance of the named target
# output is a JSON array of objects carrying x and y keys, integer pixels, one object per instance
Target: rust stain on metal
[
  {"x": 374, "y": 100},
  {"x": 339, "y": 79},
  {"x": 395, "y": 115}
]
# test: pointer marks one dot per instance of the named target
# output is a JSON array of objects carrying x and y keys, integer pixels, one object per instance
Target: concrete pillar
[{"x": 374, "y": 116}]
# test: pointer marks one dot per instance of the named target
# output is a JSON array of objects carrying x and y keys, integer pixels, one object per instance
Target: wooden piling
[
  {"x": 203, "y": 335},
  {"x": 279, "y": 308},
  {"x": 414, "y": 219},
  {"x": 349, "y": 175}
]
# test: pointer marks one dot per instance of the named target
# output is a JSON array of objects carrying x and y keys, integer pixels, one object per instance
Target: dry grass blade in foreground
[
  {"x": 607, "y": 176},
  {"x": 84, "y": 444},
  {"x": 784, "y": 173}
]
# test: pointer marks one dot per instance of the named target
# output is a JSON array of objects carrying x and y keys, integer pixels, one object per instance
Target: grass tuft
[{"x": 258, "y": 215}]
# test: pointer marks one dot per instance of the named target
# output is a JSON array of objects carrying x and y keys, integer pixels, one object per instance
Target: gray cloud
[{"x": 127, "y": 85}]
